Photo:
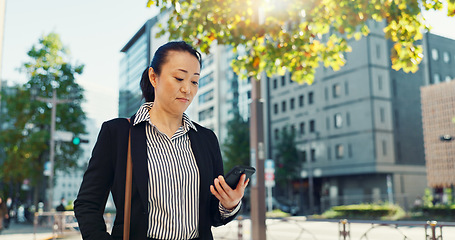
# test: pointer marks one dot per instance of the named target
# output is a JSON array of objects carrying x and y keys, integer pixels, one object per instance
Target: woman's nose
[{"x": 185, "y": 88}]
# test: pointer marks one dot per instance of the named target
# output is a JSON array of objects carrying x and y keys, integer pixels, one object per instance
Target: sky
[{"x": 94, "y": 31}]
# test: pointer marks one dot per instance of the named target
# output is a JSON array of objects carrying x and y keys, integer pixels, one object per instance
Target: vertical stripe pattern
[{"x": 173, "y": 189}]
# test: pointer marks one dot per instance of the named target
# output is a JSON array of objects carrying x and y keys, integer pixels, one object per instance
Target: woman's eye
[
  {"x": 179, "y": 79},
  {"x": 195, "y": 83}
]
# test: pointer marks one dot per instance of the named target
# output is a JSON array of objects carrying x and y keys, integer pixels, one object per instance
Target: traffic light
[{"x": 78, "y": 140}]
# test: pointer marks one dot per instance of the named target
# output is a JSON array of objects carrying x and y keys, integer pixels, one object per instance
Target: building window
[
  {"x": 436, "y": 78},
  {"x": 346, "y": 88},
  {"x": 336, "y": 90},
  {"x": 380, "y": 82},
  {"x": 329, "y": 154},
  {"x": 326, "y": 93},
  {"x": 446, "y": 57},
  {"x": 327, "y": 123},
  {"x": 301, "y": 100},
  {"x": 348, "y": 119},
  {"x": 275, "y": 108},
  {"x": 382, "y": 114},
  {"x": 302, "y": 128},
  {"x": 313, "y": 155},
  {"x": 206, "y": 114},
  {"x": 434, "y": 54},
  {"x": 292, "y": 103},
  {"x": 293, "y": 130},
  {"x": 283, "y": 80},
  {"x": 304, "y": 156},
  {"x": 277, "y": 134},
  {"x": 339, "y": 151},
  {"x": 338, "y": 120},
  {"x": 378, "y": 51},
  {"x": 312, "y": 126},
  {"x": 283, "y": 106},
  {"x": 310, "y": 98},
  {"x": 206, "y": 97},
  {"x": 384, "y": 148},
  {"x": 350, "y": 150},
  {"x": 397, "y": 118},
  {"x": 398, "y": 152},
  {"x": 275, "y": 83},
  {"x": 206, "y": 80}
]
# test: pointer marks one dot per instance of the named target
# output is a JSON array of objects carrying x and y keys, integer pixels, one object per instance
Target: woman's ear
[{"x": 152, "y": 76}]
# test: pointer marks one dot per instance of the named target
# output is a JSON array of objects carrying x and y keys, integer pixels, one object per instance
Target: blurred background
[{"x": 363, "y": 134}]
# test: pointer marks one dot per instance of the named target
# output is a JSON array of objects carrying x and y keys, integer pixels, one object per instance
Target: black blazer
[{"x": 107, "y": 172}]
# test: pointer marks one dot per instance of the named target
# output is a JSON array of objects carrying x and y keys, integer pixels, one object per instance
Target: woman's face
[{"x": 178, "y": 82}]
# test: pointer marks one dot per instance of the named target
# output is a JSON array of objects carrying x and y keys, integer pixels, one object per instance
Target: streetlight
[
  {"x": 54, "y": 101},
  {"x": 310, "y": 172}
]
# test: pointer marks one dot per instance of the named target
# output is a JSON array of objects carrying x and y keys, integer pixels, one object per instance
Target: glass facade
[{"x": 133, "y": 63}]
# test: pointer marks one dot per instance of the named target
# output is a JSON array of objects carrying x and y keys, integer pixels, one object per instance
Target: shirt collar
[{"x": 142, "y": 115}]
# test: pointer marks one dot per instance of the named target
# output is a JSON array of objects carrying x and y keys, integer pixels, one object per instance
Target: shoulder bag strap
[{"x": 128, "y": 183}]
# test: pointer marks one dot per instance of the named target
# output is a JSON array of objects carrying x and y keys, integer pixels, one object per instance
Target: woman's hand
[{"x": 229, "y": 197}]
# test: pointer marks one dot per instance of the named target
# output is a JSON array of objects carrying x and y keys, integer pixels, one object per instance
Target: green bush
[
  {"x": 439, "y": 212},
  {"x": 365, "y": 211}
]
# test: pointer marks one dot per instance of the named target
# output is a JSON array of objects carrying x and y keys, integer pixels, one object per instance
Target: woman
[{"x": 178, "y": 191}]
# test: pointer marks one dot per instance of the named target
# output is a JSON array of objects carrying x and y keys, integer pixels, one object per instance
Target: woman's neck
[{"x": 166, "y": 122}]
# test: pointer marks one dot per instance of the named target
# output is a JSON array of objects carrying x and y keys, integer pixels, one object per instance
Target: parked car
[{"x": 285, "y": 206}]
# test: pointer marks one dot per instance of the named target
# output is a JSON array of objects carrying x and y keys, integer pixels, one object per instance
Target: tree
[
  {"x": 297, "y": 35},
  {"x": 236, "y": 147},
  {"x": 287, "y": 163},
  {"x": 26, "y": 121}
]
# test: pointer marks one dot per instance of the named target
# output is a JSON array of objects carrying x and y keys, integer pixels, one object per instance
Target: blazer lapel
[
  {"x": 204, "y": 164},
  {"x": 139, "y": 158}
]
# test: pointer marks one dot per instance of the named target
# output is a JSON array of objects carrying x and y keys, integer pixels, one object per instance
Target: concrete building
[
  {"x": 359, "y": 129},
  {"x": 438, "y": 112}
]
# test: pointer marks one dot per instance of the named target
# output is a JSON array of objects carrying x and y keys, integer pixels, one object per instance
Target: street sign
[
  {"x": 63, "y": 136},
  {"x": 269, "y": 173}
]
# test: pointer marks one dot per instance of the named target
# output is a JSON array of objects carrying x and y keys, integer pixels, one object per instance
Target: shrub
[{"x": 366, "y": 211}]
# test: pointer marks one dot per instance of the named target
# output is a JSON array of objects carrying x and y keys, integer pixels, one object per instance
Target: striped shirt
[{"x": 173, "y": 188}]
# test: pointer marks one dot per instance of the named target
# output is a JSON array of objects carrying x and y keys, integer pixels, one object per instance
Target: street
[{"x": 277, "y": 229}]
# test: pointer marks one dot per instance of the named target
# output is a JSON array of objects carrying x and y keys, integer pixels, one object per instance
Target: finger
[
  {"x": 224, "y": 184},
  {"x": 246, "y": 183},
  {"x": 214, "y": 192},
  {"x": 241, "y": 183},
  {"x": 221, "y": 191}
]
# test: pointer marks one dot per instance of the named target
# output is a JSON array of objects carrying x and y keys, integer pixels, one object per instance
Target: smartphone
[{"x": 233, "y": 176}]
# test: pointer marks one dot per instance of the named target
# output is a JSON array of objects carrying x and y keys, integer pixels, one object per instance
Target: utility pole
[
  {"x": 53, "y": 101},
  {"x": 257, "y": 160}
]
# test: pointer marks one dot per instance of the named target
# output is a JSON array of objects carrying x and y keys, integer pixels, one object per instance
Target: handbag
[{"x": 128, "y": 186}]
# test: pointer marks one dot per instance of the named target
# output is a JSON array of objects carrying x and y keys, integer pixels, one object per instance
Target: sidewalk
[{"x": 25, "y": 231}]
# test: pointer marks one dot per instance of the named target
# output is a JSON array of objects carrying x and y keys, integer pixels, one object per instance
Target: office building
[
  {"x": 359, "y": 129},
  {"x": 438, "y": 113}
]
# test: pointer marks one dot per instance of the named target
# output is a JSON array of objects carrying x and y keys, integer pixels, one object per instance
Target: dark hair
[{"x": 159, "y": 59}]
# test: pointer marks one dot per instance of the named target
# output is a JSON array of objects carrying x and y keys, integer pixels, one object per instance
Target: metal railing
[{"x": 63, "y": 222}]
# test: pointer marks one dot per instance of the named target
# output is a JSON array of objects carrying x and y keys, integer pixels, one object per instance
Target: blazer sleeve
[
  {"x": 97, "y": 181},
  {"x": 218, "y": 169}
]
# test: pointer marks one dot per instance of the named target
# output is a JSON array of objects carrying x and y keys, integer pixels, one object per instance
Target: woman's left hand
[{"x": 229, "y": 197}]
